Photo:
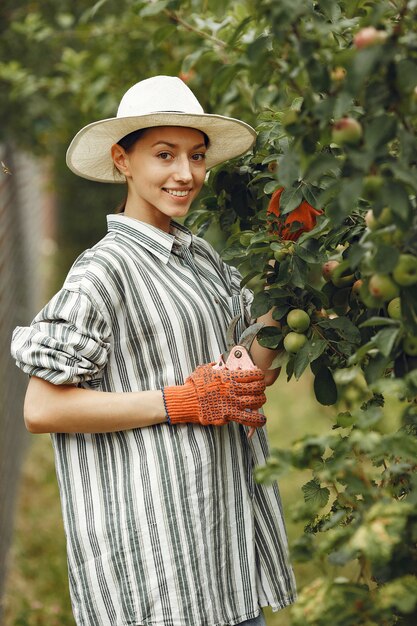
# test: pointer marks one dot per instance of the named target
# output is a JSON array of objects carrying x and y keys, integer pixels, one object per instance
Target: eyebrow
[{"x": 174, "y": 145}]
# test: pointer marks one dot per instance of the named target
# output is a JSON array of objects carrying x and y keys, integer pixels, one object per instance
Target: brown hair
[{"x": 127, "y": 142}]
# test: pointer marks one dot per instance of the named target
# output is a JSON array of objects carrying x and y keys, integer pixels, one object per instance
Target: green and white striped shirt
[{"x": 165, "y": 525}]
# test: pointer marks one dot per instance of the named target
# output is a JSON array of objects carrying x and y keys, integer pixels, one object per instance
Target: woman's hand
[{"x": 213, "y": 397}]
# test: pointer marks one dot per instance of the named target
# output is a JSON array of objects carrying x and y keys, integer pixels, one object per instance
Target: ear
[{"x": 120, "y": 159}]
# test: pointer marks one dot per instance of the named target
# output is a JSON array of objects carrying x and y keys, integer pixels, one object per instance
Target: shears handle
[{"x": 238, "y": 359}]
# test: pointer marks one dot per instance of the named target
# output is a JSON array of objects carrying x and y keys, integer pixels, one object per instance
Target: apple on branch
[
  {"x": 394, "y": 308},
  {"x": 369, "y": 36},
  {"x": 405, "y": 272},
  {"x": 293, "y": 342},
  {"x": 347, "y": 131},
  {"x": 298, "y": 320},
  {"x": 382, "y": 287}
]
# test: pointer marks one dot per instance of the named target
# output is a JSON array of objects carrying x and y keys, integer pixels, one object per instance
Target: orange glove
[
  {"x": 216, "y": 396},
  {"x": 305, "y": 214}
]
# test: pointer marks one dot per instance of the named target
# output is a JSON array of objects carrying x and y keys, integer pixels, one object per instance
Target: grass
[{"x": 37, "y": 587}]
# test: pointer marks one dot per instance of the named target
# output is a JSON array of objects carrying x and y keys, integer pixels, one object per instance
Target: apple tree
[{"x": 336, "y": 86}]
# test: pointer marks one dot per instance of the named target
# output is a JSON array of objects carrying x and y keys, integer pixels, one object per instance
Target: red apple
[
  {"x": 369, "y": 36},
  {"x": 382, "y": 287},
  {"x": 346, "y": 131},
  {"x": 328, "y": 268},
  {"x": 356, "y": 287}
]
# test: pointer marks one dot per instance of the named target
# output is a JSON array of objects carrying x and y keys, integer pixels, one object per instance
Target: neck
[{"x": 148, "y": 215}]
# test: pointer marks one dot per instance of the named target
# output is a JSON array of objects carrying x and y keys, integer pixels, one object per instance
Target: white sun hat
[{"x": 156, "y": 101}]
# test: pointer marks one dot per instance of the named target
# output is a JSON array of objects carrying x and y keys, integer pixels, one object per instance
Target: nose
[{"x": 183, "y": 171}]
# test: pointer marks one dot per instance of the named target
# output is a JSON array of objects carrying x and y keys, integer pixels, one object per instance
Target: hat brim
[{"x": 89, "y": 153}]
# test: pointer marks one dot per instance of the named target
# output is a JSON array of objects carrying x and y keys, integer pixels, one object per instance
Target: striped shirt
[{"x": 164, "y": 524}]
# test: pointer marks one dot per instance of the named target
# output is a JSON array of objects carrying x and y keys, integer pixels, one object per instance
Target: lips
[{"x": 178, "y": 193}]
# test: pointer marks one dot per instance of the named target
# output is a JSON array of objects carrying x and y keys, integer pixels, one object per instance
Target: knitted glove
[{"x": 216, "y": 396}]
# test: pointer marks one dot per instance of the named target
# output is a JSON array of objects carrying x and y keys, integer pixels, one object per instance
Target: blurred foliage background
[{"x": 332, "y": 88}]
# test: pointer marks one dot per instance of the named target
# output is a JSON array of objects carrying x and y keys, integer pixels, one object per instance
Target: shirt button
[{"x": 216, "y": 301}]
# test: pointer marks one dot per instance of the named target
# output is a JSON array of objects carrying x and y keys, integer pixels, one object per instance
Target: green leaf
[
  {"x": 399, "y": 594},
  {"x": 379, "y": 321},
  {"x": 409, "y": 308},
  {"x": 308, "y": 353},
  {"x": 344, "y": 327},
  {"x": 406, "y": 75},
  {"x": 270, "y": 337},
  {"x": 324, "y": 387},
  {"x": 380, "y": 131},
  {"x": 153, "y": 8},
  {"x": 298, "y": 272},
  {"x": 322, "y": 164},
  {"x": 261, "y": 304},
  {"x": 289, "y": 168},
  {"x": 397, "y": 199},
  {"x": 385, "y": 340},
  {"x": 385, "y": 258},
  {"x": 271, "y": 186},
  {"x": 310, "y": 251},
  {"x": 348, "y": 198},
  {"x": 315, "y": 494},
  {"x": 404, "y": 175},
  {"x": 376, "y": 368},
  {"x": 356, "y": 253},
  {"x": 290, "y": 199}
]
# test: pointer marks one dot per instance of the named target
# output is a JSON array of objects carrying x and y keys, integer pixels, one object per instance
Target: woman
[{"x": 164, "y": 522}]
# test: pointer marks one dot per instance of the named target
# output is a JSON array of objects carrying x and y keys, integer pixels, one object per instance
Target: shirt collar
[{"x": 157, "y": 241}]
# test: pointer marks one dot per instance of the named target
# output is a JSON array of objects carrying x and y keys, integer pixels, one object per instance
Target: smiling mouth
[{"x": 177, "y": 192}]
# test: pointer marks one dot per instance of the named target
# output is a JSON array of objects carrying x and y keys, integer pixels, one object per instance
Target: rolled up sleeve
[{"x": 68, "y": 342}]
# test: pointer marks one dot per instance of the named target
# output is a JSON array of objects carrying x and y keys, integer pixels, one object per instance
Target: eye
[
  {"x": 199, "y": 156},
  {"x": 165, "y": 156}
]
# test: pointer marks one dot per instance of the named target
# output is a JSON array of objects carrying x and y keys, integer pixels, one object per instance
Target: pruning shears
[{"x": 237, "y": 355}]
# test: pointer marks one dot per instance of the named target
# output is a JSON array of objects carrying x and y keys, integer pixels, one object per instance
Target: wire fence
[{"x": 26, "y": 211}]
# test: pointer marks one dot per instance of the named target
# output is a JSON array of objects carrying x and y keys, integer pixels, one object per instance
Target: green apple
[
  {"x": 385, "y": 218},
  {"x": 382, "y": 287},
  {"x": 405, "y": 272},
  {"x": 410, "y": 345},
  {"x": 372, "y": 185},
  {"x": 347, "y": 131},
  {"x": 394, "y": 309},
  {"x": 298, "y": 320},
  {"x": 293, "y": 342}
]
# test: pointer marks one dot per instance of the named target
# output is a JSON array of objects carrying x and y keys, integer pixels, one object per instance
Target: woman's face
[{"x": 165, "y": 170}]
